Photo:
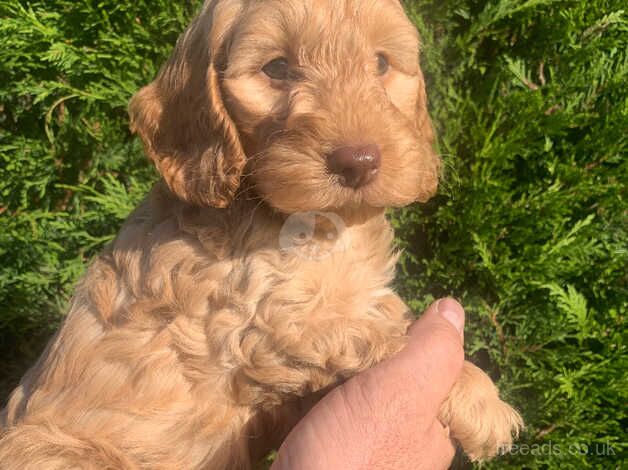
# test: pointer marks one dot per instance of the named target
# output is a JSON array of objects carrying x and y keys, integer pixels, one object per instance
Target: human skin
[{"x": 387, "y": 417}]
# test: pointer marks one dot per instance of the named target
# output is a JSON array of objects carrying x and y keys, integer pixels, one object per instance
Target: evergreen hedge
[{"x": 530, "y": 101}]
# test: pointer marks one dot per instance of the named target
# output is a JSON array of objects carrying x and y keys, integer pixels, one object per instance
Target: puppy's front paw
[{"x": 483, "y": 424}]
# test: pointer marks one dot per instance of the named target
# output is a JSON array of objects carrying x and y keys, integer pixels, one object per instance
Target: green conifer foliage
[{"x": 530, "y": 101}]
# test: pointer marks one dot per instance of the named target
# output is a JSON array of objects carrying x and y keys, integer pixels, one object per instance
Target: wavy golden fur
[{"x": 202, "y": 334}]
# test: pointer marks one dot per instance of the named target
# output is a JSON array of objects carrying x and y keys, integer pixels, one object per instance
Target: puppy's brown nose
[{"x": 356, "y": 166}]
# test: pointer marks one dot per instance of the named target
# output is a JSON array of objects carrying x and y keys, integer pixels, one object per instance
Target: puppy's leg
[
  {"x": 483, "y": 424},
  {"x": 286, "y": 374}
]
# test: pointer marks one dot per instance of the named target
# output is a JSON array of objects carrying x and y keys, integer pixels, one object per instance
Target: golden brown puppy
[{"x": 257, "y": 274}]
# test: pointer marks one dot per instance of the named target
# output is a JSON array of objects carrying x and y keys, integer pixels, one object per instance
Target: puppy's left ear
[
  {"x": 432, "y": 163},
  {"x": 182, "y": 119},
  {"x": 424, "y": 122}
]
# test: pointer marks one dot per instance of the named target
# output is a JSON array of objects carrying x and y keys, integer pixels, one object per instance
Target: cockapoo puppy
[{"x": 257, "y": 274}]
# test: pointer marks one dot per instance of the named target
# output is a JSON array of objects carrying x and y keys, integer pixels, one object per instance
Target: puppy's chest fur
[
  {"x": 196, "y": 317},
  {"x": 268, "y": 295}
]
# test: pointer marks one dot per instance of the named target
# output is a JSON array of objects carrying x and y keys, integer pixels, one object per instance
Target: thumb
[
  {"x": 429, "y": 365},
  {"x": 435, "y": 347}
]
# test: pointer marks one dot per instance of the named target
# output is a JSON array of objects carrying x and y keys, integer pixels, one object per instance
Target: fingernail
[{"x": 453, "y": 312}]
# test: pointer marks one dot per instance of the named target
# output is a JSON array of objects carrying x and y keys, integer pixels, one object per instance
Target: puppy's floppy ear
[
  {"x": 432, "y": 164},
  {"x": 424, "y": 122},
  {"x": 181, "y": 117}
]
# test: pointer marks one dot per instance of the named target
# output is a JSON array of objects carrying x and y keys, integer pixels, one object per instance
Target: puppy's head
[{"x": 311, "y": 104}]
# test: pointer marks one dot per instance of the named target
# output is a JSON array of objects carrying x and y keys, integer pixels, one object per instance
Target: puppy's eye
[
  {"x": 277, "y": 69},
  {"x": 382, "y": 64}
]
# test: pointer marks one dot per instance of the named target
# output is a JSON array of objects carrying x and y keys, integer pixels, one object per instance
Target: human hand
[{"x": 387, "y": 416}]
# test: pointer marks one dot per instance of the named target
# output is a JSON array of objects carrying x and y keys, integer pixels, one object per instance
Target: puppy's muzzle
[{"x": 355, "y": 166}]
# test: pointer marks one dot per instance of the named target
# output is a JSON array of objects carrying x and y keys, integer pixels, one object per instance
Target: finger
[
  {"x": 450, "y": 309},
  {"x": 425, "y": 371},
  {"x": 442, "y": 447},
  {"x": 435, "y": 351}
]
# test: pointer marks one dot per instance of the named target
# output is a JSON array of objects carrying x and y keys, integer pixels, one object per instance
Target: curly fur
[{"x": 195, "y": 340}]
